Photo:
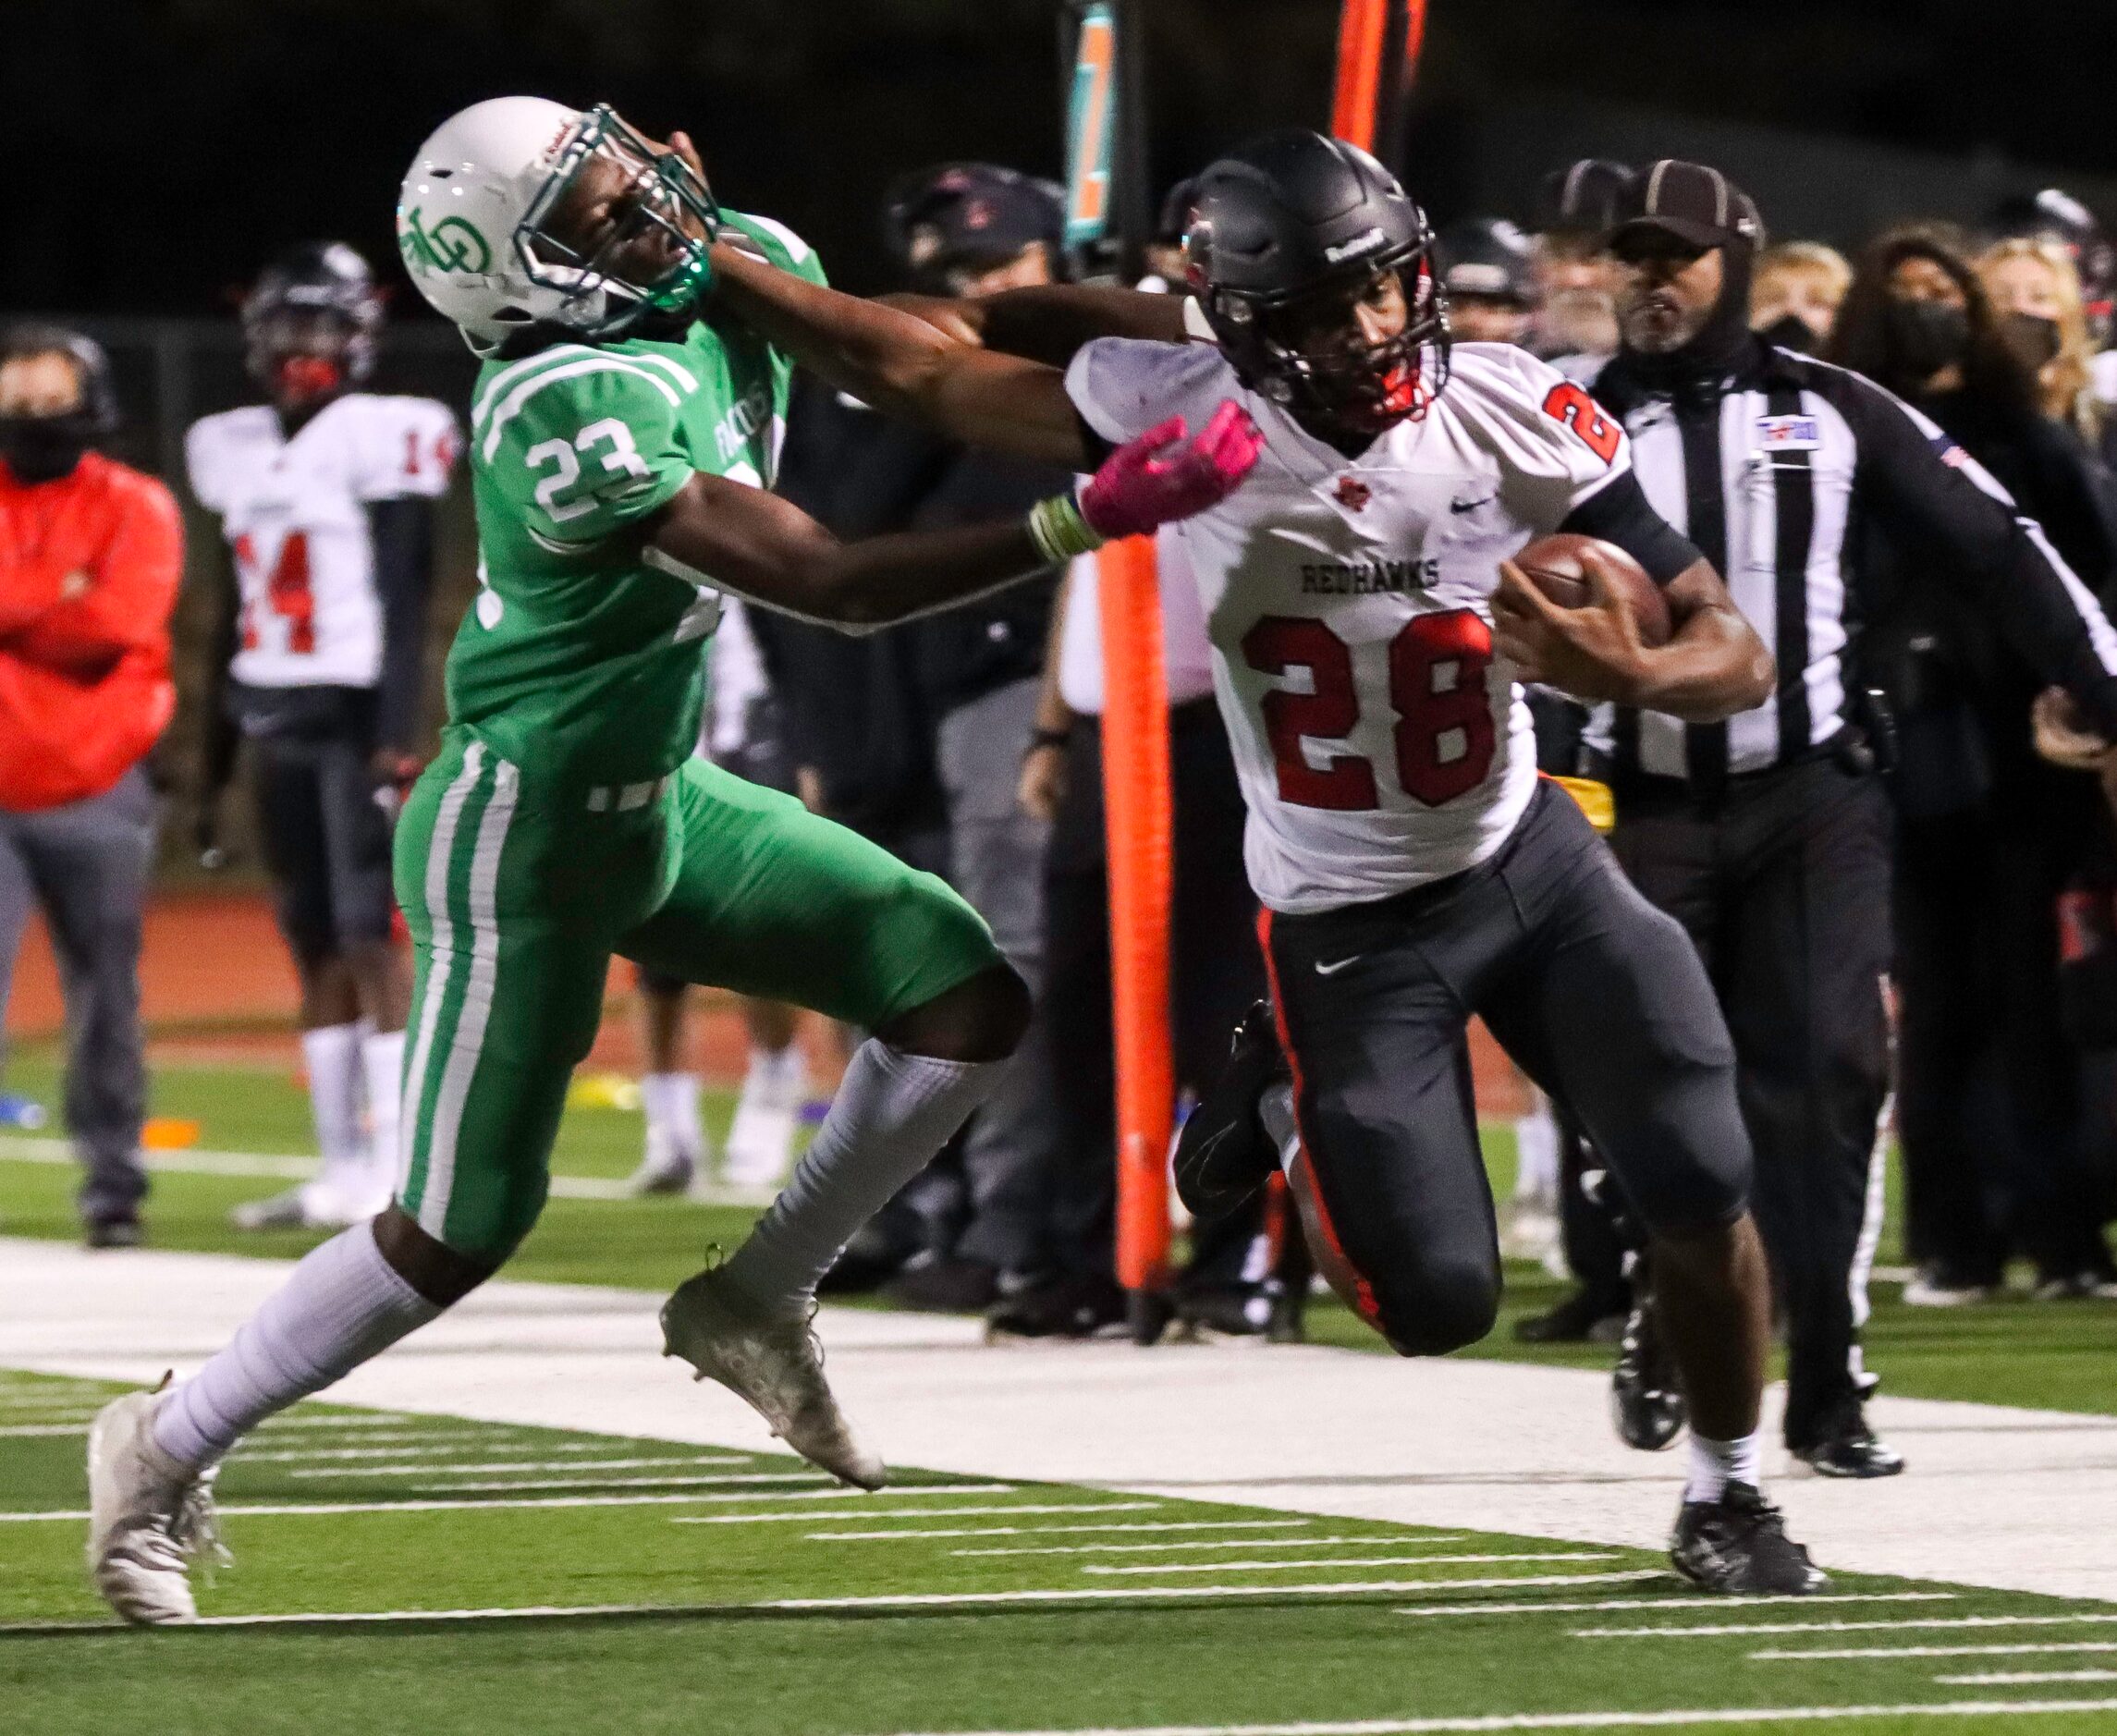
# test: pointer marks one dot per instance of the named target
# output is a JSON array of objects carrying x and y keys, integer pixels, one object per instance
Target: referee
[{"x": 1766, "y": 835}]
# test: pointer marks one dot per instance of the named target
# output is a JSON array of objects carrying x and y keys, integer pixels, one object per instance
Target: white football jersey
[
  {"x": 1381, "y": 740},
  {"x": 294, "y": 513}
]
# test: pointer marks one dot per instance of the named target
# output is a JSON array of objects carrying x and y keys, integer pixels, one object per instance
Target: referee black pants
[{"x": 1783, "y": 882}]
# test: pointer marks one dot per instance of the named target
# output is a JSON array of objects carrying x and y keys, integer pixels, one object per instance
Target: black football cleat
[
  {"x": 1738, "y": 1545},
  {"x": 1847, "y": 1447},
  {"x": 1645, "y": 1402},
  {"x": 1224, "y": 1155},
  {"x": 1082, "y": 1306},
  {"x": 1582, "y": 1317}
]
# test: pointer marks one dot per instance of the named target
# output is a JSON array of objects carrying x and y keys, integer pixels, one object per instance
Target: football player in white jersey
[
  {"x": 1370, "y": 634},
  {"x": 324, "y": 494}
]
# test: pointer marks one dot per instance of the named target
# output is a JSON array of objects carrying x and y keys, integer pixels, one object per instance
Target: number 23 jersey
[
  {"x": 294, "y": 515},
  {"x": 1381, "y": 740}
]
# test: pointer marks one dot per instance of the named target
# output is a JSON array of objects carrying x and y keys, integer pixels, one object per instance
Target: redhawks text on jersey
[
  {"x": 1382, "y": 743},
  {"x": 293, "y": 511}
]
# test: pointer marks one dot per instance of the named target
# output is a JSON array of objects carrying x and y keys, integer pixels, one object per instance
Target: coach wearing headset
[{"x": 89, "y": 555}]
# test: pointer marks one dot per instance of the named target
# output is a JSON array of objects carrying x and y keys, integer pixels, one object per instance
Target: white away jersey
[
  {"x": 294, "y": 513},
  {"x": 1381, "y": 741}
]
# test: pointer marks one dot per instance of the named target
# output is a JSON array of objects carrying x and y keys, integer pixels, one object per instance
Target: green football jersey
[{"x": 579, "y": 661}]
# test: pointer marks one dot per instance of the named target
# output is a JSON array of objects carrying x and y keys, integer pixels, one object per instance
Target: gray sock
[
  {"x": 892, "y": 1113},
  {"x": 343, "y": 1304}
]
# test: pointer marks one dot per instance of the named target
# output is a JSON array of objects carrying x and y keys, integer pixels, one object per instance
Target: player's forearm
[
  {"x": 1714, "y": 666},
  {"x": 888, "y": 360},
  {"x": 904, "y": 366},
  {"x": 718, "y": 534},
  {"x": 1049, "y": 323}
]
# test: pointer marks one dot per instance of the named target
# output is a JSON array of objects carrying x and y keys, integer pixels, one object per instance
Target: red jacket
[{"x": 89, "y": 567}]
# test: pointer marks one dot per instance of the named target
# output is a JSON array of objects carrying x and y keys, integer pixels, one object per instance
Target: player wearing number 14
[{"x": 1370, "y": 632}]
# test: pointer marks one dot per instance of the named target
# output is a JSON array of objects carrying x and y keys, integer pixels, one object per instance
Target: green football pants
[{"x": 518, "y": 897}]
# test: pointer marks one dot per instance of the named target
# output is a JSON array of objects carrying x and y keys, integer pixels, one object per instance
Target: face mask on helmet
[
  {"x": 303, "y": 355},
  {"x": 619, "y": 227},
  {"x": 1311, "y": 354}
]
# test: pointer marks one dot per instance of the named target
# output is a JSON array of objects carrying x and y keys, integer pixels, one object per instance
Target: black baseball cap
[
  {"x": 961, "y": 214},
  {"x": 1696, "y": 204},
  {"x": 1580, "y": 198},
  {"x": 1487, "y": 257}
]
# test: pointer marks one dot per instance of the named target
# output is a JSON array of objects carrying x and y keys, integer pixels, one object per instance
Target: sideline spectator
[
  {"x": 1990, "y": 1092},
  {"x": 1576, "y": 281},
  {"x": 2036, "y": 292},
  {"x": 89, "y": 556},
  {"x": 1793, "y": 300},
  {"x": 1215, "y": 971},
  {"x": 1488, "y": 272}
]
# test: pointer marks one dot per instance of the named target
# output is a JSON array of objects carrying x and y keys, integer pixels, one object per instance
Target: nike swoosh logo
[
  {"x": 1471, "y": 506},
  {"x": 1332, "y": 970}
]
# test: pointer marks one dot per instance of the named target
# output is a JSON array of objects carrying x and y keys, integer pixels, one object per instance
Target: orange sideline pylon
[{"x": 1141, "y": 844}]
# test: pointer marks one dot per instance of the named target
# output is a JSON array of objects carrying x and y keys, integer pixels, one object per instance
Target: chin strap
[{"x": 303, "y": 379}]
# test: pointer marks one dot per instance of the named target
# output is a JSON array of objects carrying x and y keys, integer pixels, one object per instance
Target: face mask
[
  {"x": 1790, "y": 331},
  {"x": 41, "y": 448},
  {"x": 1923, "y": 338},
  {"x": 2032, "y": 337}
]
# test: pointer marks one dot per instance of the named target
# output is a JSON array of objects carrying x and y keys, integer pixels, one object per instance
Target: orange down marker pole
[
  {"x": 1142, "y": 853},
  {"x": 1378, "y": 45}
]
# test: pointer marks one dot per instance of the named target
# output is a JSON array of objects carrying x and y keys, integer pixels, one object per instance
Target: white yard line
[
  {"x": 306, "y": 1510},
  {"x": 2027, "y": 1649},
  {"x": 1591, "y": 1720},
  {"x": 1454, "y": 1444},
  {"x": 919, "y": 1512},
  {"x": 416, "y": 1447},
  {"x": 493, "y": 1465},
  {"x": 1680, "y": 1603},
  {"x": 1139, "y": 1593},
  {"x": 1225, "y": 1543},
  {"x": 1366, "y": 1560},
  {"x": 826, "y": 1487},
  {"x": 1721, "y": 1630},
  {"x": 2024, "y": 1678}
]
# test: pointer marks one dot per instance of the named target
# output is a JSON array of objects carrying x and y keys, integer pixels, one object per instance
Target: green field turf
[
  {"x": 2048, "y": 1355},
  {"x": 939, "y": 1604}
]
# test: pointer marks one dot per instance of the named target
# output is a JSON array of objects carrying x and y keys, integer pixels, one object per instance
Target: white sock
[
  {"x": 1537, "y": 1153},
  {"x": 1275, "y": 1109},
  {"x": 670, "y": 1101},
  {"x": 893, "y": 1112},
  {"x": 332, "y": 1055},
  {"x": 343, "y": 1304},
  {"x": 778, "y": 1071},
  {"x": 382, "y": 1064},
  {"x": 1717, "y": 1463}
]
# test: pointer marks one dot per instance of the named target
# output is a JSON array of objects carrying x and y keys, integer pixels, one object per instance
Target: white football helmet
[{"x": 472, "y": 218}]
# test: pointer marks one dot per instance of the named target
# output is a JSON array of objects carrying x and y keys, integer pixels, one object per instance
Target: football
[{"x": 1553, "y": 566}]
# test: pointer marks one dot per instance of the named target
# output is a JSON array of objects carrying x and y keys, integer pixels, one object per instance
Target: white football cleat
[
  {"x": 149, "y": 1517},
  {"x": 776, "y": 1367},
  {"x": 669, "y": 1165},
  {"x": 322, "y": 1204}
]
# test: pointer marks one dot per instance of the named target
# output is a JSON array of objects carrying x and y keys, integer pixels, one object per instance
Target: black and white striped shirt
[{"x": 1772, "y": 474}]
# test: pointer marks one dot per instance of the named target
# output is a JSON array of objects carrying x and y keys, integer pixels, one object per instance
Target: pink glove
[{"x": 1165, "y": 474}]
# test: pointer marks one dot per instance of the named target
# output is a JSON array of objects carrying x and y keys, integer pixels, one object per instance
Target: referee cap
[{"x": 1696, "y": 204}]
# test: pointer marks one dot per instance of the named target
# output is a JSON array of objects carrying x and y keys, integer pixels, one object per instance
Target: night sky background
[{"x": 157, "y": 152}]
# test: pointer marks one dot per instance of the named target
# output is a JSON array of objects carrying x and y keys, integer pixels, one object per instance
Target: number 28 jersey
[
  {"x": 1381, "y": 741},
  {"x": 294, "y": 515}
]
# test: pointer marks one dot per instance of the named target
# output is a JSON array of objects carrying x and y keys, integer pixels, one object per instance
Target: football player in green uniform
[{"x": 622, "y": 443}]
